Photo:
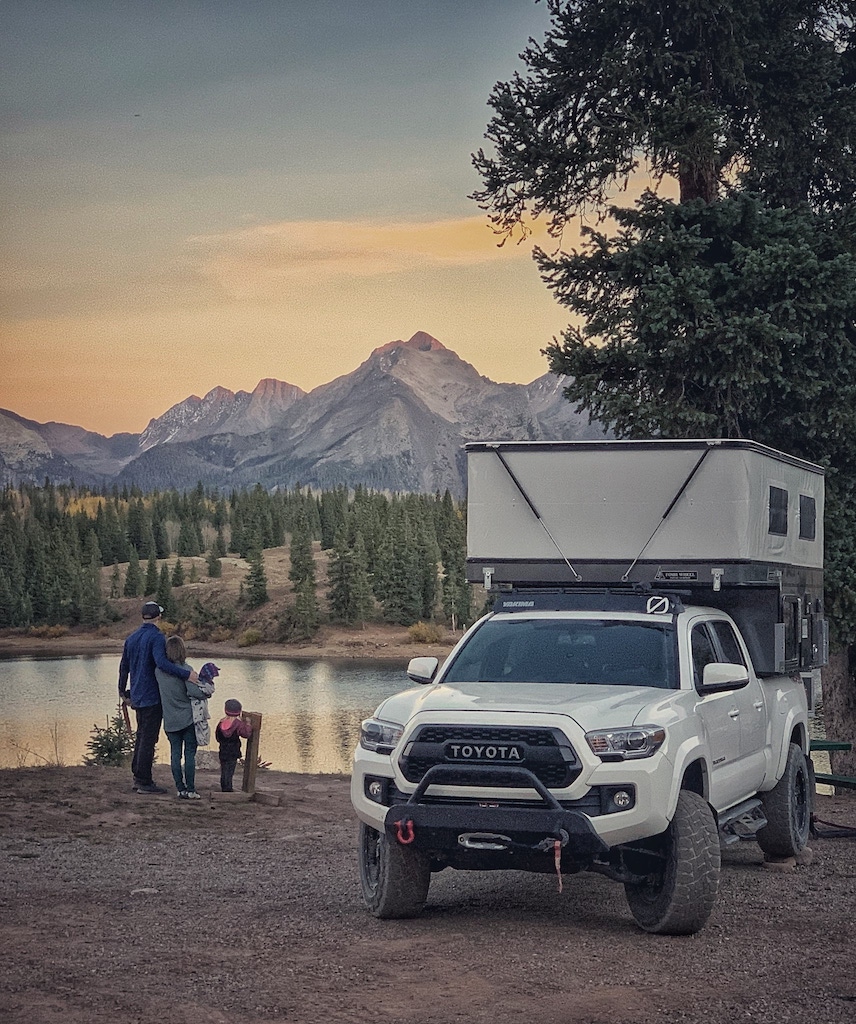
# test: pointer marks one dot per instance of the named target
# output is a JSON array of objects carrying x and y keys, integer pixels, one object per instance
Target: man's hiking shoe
[
  {"x": 190, "y": 795},
  {"x": 149, "y": 789}
]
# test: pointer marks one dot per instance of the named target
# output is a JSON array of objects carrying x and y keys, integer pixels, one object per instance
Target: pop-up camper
[{"x": 732, "y": 524}]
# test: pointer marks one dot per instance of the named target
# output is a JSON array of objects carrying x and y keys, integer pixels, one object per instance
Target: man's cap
[
  {"x": 152, "y": 610},
  {"x": 233, "y": 707}
]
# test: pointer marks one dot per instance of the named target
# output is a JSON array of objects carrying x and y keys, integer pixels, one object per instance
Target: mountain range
[{"x": 396, "y": 423}]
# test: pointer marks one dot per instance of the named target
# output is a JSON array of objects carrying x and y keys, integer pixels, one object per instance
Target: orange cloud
[{"x": 252, "y": 262}]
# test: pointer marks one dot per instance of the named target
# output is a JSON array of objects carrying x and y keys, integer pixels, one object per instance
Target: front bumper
[{"x": 439, "y": 827}]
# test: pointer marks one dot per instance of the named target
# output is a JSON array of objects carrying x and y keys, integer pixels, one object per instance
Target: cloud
[{"x": 253, "y": 261}]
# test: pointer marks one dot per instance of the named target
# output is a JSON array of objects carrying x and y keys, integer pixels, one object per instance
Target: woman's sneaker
[
  {"x": 192, "y": 795},
  {"x": 182, "y": 794}
]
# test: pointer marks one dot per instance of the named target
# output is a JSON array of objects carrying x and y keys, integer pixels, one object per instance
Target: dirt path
[{"x": 119, "y": 908}]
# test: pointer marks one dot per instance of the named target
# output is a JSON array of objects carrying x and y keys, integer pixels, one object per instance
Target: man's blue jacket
[{"x": 145, "y": 650}]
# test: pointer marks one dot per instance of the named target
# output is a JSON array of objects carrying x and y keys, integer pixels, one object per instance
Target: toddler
[{"x": 229, "y": 732}]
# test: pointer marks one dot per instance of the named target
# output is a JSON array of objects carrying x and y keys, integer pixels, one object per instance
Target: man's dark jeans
[{"x": 148, "y": 727}]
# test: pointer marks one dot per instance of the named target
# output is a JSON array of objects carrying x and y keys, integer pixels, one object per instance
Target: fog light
[
  {"x": 375, "y": 790},
  {"x": 622, "y": 799}
]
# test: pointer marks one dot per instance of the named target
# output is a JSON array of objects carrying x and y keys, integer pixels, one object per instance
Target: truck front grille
[{"x": 545, "y": 752}]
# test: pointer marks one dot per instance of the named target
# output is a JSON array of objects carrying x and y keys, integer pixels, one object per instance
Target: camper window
[
  {"x": 808, "y": 518},
  {"x": 778, "y": 511}
]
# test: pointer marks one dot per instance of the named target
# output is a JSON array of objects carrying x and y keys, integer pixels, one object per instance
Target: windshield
[{"x": 619, "y": 653}]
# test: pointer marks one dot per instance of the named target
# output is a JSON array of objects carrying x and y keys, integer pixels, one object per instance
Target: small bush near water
[
  {"x": 109, "y": 746},
  {"x": 425, "y": 633}
]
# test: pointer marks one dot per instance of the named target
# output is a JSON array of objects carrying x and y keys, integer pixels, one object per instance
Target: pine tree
[
  {"x": 213, "y": 565},
  {"x": 115, "y": 581},
  {"x": 139, "y": 528},
  {"x": 401, "y": 593},
  {"x": 91, "y": 604},
  {"x": 255, "y": 582},
  {"x": 164, "y": 596},
  {"x": 133, "y": 577},
  {"x": 300, "y": 551},
  {"x": 151, "y": 584},
  {"x": 189, "y": 542},
  {"x": 306, "y": 609},
  {"x": 177, "y": 578},
  {"x": 362, "y": 602},
  {"x": 159, "y": 535},
  {"x": 339, "y": 578}
]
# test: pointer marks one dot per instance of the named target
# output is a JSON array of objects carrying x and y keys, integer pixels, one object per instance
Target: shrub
[
  {"x": 48, "y": 632},
  {"x": 249, "y": 638},
  {"x": 425, "y": 633},
  {"x": 219, "y": 634},
  {"x": 111, "y": 745}
]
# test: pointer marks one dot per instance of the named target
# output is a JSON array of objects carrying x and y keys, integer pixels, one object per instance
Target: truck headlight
[
  {"x": 380, "y": 736},
  {"x": 626, "y": 744}
]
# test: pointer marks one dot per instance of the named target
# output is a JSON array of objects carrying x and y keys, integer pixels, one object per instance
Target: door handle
[
  {"x": 734, "y": 713},
  {"x": 759, "y": 705}
]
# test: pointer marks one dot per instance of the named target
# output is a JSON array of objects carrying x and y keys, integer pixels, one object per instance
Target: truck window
[
  {"x": 703, "y": 651},
  {"x": 728, "y": 643},
  {"x": 580, "y": 651}
]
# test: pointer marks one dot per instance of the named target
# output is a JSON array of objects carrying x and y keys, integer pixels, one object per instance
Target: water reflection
[{"x": 311, "y": 710}]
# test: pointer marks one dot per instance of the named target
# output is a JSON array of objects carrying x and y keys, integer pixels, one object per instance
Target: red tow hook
[{"x": 404, "y": 832}]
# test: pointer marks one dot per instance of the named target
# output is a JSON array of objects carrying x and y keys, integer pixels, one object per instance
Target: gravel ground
[{"x": 123, "y": 908}]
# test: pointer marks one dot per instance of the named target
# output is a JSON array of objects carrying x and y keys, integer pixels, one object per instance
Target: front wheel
[
  {"x": 394, "y": 878},
  {"x": 682, "y": 865},
  {"x": 787, "y": 807}
]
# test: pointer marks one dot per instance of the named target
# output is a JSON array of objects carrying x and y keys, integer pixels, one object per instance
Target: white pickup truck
[{"x": 598, "y": 723}]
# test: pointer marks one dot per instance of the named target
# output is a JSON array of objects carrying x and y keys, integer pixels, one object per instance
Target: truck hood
[{"x": 589, "y": 706}]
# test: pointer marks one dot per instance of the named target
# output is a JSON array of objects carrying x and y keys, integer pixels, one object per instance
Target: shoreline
[{"x": 389, "y": 645}]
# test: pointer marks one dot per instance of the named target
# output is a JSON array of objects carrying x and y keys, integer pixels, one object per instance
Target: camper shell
[{"x": 728, "y": 524}]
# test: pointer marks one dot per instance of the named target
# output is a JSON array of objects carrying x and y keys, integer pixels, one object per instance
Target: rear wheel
[
  {"x": 681, "y": 872},
  {"x": 394, "y": 878},
  {"x": 787, "y": 808}
]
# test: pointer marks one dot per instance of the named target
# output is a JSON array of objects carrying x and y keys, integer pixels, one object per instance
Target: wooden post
[{"x": 251, "y": 754}]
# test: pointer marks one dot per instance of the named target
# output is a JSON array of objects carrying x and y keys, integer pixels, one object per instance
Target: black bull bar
[{"x": 437, "y": 826}]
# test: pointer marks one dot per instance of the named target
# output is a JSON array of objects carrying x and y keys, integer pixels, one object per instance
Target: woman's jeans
[{"x": 183, "y": 741}]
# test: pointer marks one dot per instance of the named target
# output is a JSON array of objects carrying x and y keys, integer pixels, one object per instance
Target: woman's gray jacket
[{"x": 175, "y": 698}]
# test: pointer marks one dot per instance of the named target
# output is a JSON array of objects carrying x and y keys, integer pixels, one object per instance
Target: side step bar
[{"x": 741, "y": 822}]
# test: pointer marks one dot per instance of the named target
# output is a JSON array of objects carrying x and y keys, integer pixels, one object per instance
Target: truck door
[
  {"x": 720, "y": 716},
  {"x": 750, "y": 701}
]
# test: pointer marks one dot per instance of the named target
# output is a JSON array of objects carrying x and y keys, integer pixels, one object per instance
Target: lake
[{"x": 311, "y": 710}]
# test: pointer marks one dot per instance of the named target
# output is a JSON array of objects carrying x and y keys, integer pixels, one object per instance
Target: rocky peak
[{"x": 420, "y": 341}]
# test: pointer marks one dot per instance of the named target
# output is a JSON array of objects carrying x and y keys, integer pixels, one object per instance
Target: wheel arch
[
  {"x": 691, "y": 772},
  {"x": 795, "y": 731},
  {"x": 695, "y": 778}
]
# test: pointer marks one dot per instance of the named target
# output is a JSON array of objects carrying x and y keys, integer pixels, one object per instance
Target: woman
[{"x": 178, "y": 722}]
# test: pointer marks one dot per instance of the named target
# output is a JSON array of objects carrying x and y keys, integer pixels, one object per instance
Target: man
[{"x": 144, "y": 651}]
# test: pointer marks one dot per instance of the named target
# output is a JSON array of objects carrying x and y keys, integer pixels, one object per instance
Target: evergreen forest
[{"x": 69, "y": 554}]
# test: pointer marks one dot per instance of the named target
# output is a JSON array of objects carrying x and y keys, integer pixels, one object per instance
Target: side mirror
[
  {"x": 721, "y": 676},
  {"x": 422, "y": 670}
]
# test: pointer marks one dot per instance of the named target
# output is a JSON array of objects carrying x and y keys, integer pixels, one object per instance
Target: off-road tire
[
  {"x": 787, "y": 807},
  {"x": 394, "y": 878},
  {"x": 678, "y": 895}
]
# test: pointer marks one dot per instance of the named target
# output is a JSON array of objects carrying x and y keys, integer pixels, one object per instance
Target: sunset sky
[{"x": 204, "y": 192}]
